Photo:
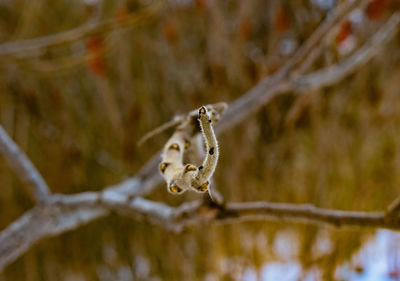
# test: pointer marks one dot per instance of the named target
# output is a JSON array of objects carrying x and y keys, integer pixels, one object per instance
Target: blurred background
[{"x": 78, "y": 107}]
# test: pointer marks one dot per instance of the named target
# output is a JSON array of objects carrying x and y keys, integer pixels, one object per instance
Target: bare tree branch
[
  {"x": 67, "y": 212},
  {"x": 23, "y": 167},
  {"x": 334, "y": 73},
  {"x": 306, "y": 213},
  {"x": 313, "y": 43},
  {"x": 194, "y": 212},
  {"x": 269, "y": 87},
  {"x": 40, "y": 222},
  {"x": 29, "y": 46}
]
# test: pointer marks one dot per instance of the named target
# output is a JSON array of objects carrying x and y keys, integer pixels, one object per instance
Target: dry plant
[{"x": 55, "y": 213}]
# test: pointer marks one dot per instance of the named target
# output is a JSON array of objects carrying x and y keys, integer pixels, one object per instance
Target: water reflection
[{"x": 377, "y": 259}]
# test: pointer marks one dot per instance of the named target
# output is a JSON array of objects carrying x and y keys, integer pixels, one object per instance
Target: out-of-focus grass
[{"x": 335, "y": 148}]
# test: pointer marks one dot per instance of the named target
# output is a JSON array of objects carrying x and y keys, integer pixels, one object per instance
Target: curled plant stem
[{"x": 179, "y": 176}]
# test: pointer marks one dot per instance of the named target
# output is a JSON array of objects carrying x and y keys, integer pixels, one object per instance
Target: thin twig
[
  {"x": 394, "y": 209},
  {"x": 305, "y": 213},
  {"x": 160, "y": 129},
  {"x": 23, "y": 167}
]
